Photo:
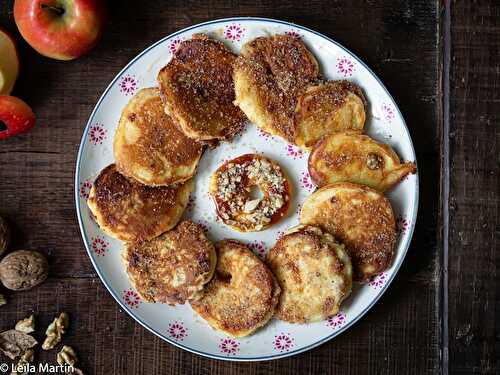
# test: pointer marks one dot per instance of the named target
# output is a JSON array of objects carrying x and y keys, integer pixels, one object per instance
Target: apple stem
[{"x": 57, "y": 10}]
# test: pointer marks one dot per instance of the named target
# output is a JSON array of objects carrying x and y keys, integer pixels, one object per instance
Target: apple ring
[{"x": 234, "y": 184}]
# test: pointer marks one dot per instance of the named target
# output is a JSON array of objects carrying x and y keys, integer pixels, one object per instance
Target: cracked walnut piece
[
  {"x": 27, "y": 357},
  {"x": 67, "y": 356},
  {"x": 26, "y": 325},
  {"x": 55, "y": 331}
]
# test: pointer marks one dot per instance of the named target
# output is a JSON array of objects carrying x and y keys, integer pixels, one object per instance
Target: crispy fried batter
[
  {"x": 243, "y": 294},
  {"x": 314, "y": 272},
  {"x": 268, "y": 77},
  {"x": 232, "y": 185},
  {"x": 149, "y": 147},
  {"x": 130, "y": 211},
  {"x": 361, "y": 218},
  {"x": 356, "y": 158},
  {"x": 171, "y": 268},
  {"x": 327, "y": 108},
  {"x": 198, "y": 91}
]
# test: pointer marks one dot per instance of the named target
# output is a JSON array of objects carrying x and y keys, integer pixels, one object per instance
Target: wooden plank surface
[
  {"x": 397, "y": 39},
  {"x": 474, "y": 256}
]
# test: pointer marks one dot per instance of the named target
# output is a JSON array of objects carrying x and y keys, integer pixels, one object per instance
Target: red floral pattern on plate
[
  {"x": 173, "y": 46},
  {"x": 85, "y": 187},
  {"x": 259, "y": 248},
  {"x": 177, "y": 331},
  {"x": 128, "y": 84},
  {"x": 402, "y": 224},
  {"x": 234, "y": 32},
  {"x": 205, "y": 225},
  {"x": 267, "y": 136},
  {"x": 378, "y": 281},
  {"x": 306, "y": 182},
  {"x": 97, "y": 134},
  {"x": 294, "y": 33},
  {"x": 345, "y": 66},
  {"x": 100, "y": 246},
  {"x": 283, "y": 342},
  {"x": 131, "y": 298},
  {"x": 336, "y": 321},
  {"x": 388, "y": 112},
  {"x": 229, "y": 346},
  {"x": 294, "y": 152}
]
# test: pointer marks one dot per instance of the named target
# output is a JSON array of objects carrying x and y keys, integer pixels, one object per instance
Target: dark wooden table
[{"x": 441, "y": 63}]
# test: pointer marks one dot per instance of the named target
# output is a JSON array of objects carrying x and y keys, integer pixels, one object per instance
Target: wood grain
[
  {"x": 398, "y": 39},
  {"x": 474, "y": 256}
]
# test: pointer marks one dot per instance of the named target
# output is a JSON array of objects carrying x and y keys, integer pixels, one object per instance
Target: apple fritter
[
  {"x": 131, "y": 211},
  {"x": 359, "y": 217},
  {"x": 314, "y": 272},
  {"x": 198, "y": 91},
  {"x": 327, "y": 108},
  {"x": 243, "y": 294},
  {"x": 343, "y": 157},
  {"x": 268, "y": 77},
  {"x": 149, "y": 147},
  {"x": 173, "y": 267}
]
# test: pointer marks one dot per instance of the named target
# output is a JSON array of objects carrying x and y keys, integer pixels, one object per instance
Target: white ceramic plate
[{"x": 180, "y": 325}]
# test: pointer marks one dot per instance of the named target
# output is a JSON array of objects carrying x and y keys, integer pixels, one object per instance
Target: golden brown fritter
[
  {"x": 243, "y": 293},
  {"x": 130, "y": 211},
  {"x": 327, "y": 108},
  {"x": 198, "y": 90},
  {"x": 359, "y": 217},
  {"x": 268, "y": 77},
  {"x": 149, "y": 147},
  {"x": 171, "y": 268},
  {"x": 232, "y": 186},
  {"x": 356, "y": 158},
  {"x": 314, "y": 272}
]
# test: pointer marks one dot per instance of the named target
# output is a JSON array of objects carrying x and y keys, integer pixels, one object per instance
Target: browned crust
[
  {"x": 243, "y": 190},
  {"x": 372, "y": 219},
  {"x": 161, "y": 148},
  {"x": 319, "y": 103},
  {"x": 281, "y": 257},
  {"x": 198, "y": 90},
  {"x": 131, "y": 211},
  {"x": 278, "y": 67},
  {"x": 242, "y": 295},
  {"x": 347, "y": 155},
  {"x": 173, "y": 267}
]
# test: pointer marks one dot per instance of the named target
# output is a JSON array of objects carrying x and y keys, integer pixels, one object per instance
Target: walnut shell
[
  {"x": 23, "y": 269},
  {"x": 4, "y": 235}
]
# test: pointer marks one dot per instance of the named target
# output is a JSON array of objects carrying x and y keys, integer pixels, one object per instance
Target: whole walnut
[
  {"x": 4, "y": 235},
  {"x": 23, "y": 269}
]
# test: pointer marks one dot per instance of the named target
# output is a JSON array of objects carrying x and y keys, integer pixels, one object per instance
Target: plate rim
[{"x": 118, "y": 299}]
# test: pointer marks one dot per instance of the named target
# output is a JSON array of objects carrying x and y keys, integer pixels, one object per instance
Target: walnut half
[
  {"x": 67, "y": 356},
  {"x": 55, "y": 331},
  {"x": 27, "y": 357},
  {"x": 23, "y": 269},
  {"x": 26, "y": 325},
  {"x": 14, "y": 343}
]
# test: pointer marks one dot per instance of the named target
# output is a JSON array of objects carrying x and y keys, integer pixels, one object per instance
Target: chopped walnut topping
[
  {"x": 235, "y": 184},
  {"x": 55, "y": 331},
  {"x": 26, "y": 325},
  {"x": 374, "y": 161}
]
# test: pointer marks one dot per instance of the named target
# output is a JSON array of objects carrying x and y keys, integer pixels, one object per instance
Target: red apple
[
  {"x": 60, "y": 29},
  {"x": 9, "y": 63},
  {"x": 15, "y": 116}
]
